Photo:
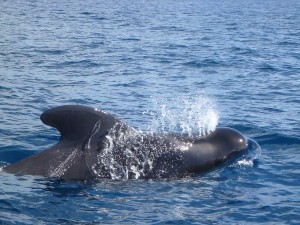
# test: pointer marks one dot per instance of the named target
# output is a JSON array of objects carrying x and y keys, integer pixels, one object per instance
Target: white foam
[{"x": 245, "y": 162}]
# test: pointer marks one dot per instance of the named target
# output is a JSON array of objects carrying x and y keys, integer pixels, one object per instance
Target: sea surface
[{"x": 157, "y": 65}]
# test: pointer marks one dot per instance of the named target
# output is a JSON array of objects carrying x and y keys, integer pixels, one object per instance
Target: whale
[{"x": 96, "y": 145}]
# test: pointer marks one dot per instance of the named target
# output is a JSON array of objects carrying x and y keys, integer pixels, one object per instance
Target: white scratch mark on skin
[
  {"x": 64, "y": 165},
  {"x": 95, "y": 130}
]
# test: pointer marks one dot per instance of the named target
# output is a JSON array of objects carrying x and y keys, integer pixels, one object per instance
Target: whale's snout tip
[{"x": 243, "y": 143}]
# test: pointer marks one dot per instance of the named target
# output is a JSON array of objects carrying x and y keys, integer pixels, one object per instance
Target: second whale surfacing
[{"x": 96, "y": 145}]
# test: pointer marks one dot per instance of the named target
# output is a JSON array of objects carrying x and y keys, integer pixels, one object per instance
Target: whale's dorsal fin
[
  {"x": 79, "y": 126},
  {"x": 75, "y": 122}
]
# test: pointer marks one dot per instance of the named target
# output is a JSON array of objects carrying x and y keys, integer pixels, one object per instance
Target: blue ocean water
[{"x": 130, "y": 58}]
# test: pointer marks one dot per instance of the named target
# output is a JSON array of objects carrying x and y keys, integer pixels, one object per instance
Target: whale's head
[{"x": 231, "y": 138}]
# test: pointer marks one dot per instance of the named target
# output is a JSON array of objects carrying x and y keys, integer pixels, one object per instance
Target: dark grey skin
[{"x": 96, "y": 145}]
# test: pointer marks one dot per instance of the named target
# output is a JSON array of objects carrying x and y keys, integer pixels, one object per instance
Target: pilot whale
[{"x": 96, "y": 145}]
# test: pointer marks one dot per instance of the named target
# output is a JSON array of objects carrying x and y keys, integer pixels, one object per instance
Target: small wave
[
  {"x": 287, "y": 43},
  {"x": 203, "y": 63},
  {"x": 130, "y": 39},
  {"x": 80, "y": 63},
  {"x": 244, "y": 51},
  {"x": 93, "y": 16},
  {"x": 50, "y": 51},
  {"x": 265, "y": 67}
]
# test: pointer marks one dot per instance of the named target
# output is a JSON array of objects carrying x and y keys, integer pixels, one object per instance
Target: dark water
[{"x": 131, "y": 57}]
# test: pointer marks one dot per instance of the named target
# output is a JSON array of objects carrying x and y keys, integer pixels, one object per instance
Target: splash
[
  {"x": 194, "y": 116},
  {"x": 251, "y": 158},
  {"x": 130, "y": 154}
]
